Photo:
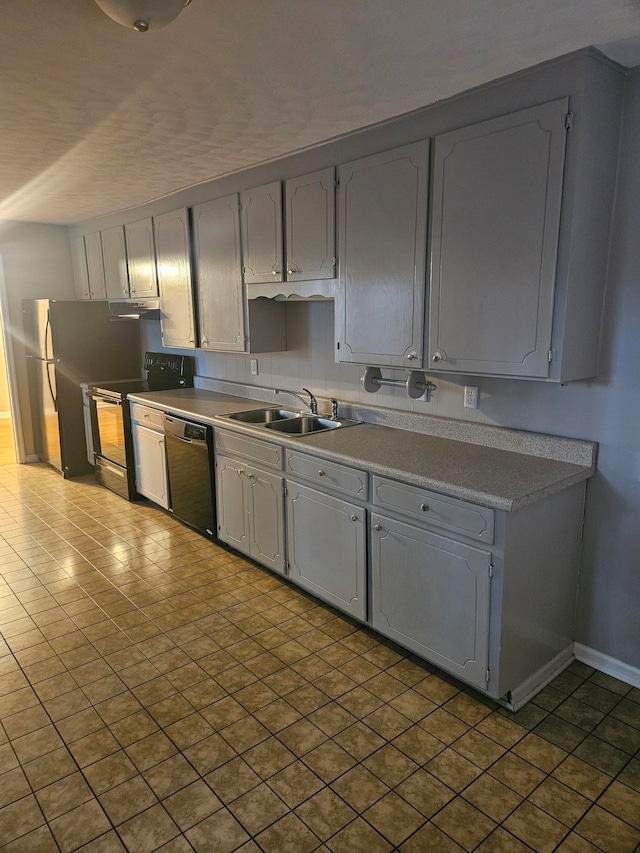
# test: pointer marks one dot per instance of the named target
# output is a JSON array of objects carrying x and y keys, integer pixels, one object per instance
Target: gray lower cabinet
[
  {"x": 177, "y": 320},
  {"x": 326, "y": 547},
  {"x": 431, "y": 594},
  {"x": 250, "y": 499},
  {"x": 497, "y": 193},
  {"x": 382, "y": 246},
  {"x": 149, "y": 453}
]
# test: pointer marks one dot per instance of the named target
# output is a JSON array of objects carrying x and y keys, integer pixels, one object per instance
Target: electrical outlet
[
  {"x": 254, "y": 366},
  {"x": 471, "y": 396}
]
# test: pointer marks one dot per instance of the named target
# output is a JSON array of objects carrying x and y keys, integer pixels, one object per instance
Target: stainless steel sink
[
  {"x": 262, "y": 416},
  {"x": 305, "y": 424}
]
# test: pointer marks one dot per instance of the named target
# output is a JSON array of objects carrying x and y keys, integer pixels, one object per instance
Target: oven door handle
[{"x": 105, "y": 399}]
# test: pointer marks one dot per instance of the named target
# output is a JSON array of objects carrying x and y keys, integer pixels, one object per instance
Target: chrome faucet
[{"x": 313, "y": 403}]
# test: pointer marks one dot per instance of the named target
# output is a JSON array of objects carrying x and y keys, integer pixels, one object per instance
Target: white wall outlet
[
  {"x": 254, "y": 366},
  {"x": 471, "y": 396}
]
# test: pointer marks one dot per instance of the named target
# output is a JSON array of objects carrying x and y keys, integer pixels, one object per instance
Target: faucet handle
[
  {"x": 313, "y": 403},
  {"x": 334, "y": 409}
]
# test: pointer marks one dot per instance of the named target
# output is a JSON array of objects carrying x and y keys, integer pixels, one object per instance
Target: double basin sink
[{"x": 286, "y": 421}]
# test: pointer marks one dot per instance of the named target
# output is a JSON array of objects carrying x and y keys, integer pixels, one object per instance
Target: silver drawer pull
[
  {"x": 354, "y": 518},
  {"x": 377, "y": 527},
  {"x": 321, "y": 473},
  {"x": 424, "y": 507},
  {"x": 251, "y": 476}
]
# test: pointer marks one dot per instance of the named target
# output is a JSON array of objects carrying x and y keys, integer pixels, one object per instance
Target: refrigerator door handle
[
  {"x": 47, "y": 329},
  {"x": 53, "y": 396}
]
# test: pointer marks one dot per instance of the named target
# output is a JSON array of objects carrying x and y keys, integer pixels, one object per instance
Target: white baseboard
[
  {"x": 520, "y": 695},
  {"x": 610, "y": 666}
]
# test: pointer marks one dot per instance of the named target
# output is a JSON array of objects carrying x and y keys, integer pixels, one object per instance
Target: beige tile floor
[{"x": 160, "y": 693}]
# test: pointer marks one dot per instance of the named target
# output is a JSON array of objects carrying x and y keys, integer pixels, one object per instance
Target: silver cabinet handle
[
  {"x": 251, "y": 476},
  {"x": 377, "y": 527},
  {"x": 411, "y": 355},
  {"x": 354, "y": 518},
  {"x": 424, "y": 507},
  {"x": 436, "y": 357},
  {"x": 321, "y": 473},
  {"x": 275, "y": 272}
]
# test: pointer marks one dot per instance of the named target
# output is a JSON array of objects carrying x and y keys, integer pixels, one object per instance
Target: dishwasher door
[{"x": 189, "y": 449}]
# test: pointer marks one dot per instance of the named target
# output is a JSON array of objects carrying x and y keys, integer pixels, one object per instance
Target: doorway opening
[{"x": 11, "y": 450}]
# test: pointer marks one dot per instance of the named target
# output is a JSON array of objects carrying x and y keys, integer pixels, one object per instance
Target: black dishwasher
[{"x": 189, "y": 448}]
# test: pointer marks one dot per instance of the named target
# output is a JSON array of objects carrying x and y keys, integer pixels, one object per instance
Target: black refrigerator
[{"x": 69, "y": 343}]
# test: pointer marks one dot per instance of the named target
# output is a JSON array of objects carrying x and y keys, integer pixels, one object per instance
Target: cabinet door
[
  {"x": 431, "y": 594},
  {"x": 95, "y": 266},
  {"x": 310, "y": 203},
  {"x": 174, "y": 279},
  {"x": 79, "y": 265},
  {"x": 230, "y": 500},
  {"x": 265, "y": 504},
  {"x": 151, "y": 464},
  {"x": 218, "y": 260},
  {"x": 141, "y": 257},
  {"x": 114, "y": 256},
  {"x": 262, "y": 233},
  {"x": 383, "y": 232},
  {"x": 497, "y": 190},
  {"x": 326, "y": 548}
]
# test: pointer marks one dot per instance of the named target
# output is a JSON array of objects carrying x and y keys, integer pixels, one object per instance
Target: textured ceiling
[{"x": 95, "y": 118}]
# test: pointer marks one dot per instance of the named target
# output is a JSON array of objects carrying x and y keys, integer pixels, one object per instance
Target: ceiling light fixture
[{"x": 143, "y": 15}]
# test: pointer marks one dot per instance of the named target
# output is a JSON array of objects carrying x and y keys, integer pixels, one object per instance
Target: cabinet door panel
[
  {"x": 216, "y": 233},
  {"x": 230, "y": 499},
  {"x": 95, "y": 266},
  {"x": 383, "y": 205},
  {"x": 262, "y": 233},
  {"x": 431, "y": 594},
  {"x": 141, "y": 256},
  {"x": 79, "y": 265},
  {"x": 266, "y": 517},
  {"x": 151, "y": 465},
  {"x": 310, "y": 226},
  {"x": 114, "y": 255},
  {"x": 497, "y": 191},
  {"x": 326, "y": 548},
  {"x": 174, "y": 280}
]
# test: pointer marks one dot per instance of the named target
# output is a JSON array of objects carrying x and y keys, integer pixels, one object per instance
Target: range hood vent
[{"x": 135, "y": 309}]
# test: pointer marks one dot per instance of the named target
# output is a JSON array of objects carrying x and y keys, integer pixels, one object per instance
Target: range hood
[{"x": 135, "y": 309}]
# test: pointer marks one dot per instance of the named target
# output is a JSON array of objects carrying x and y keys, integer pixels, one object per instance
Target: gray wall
[
  {"x": 606, "y": 410},
  {"x": 37, "y": 265}
]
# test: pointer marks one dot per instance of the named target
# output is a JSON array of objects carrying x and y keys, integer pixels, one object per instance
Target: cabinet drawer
[
  {"x": 434, "y": 509},
  {"x": 234, "y": 444},
  {"x": 329, "y": 475},
  {"x": 152, "y": 418}
]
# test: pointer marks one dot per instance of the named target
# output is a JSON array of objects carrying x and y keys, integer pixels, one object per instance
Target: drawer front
[
  {"x": 431, "y": 508},
  {"x": 145, "y": 415},
  {"x": 234, "y": 444},
  {"x": 329, "y": 475}
]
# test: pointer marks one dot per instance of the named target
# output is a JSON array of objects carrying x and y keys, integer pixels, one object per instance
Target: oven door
[{"x": 108, "y": 427}]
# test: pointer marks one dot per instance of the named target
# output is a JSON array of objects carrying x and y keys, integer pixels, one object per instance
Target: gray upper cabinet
[
  {"x": 95, "y": 266},
  {"x": 310, "y": 226},
  {"x": 382, "y": 246},
  {"x": 218, "y": 259},
  {"x": 177, "y": 321},
  {"x": 79, "y": 266},
  {"x": 497, "y": 193},
  {"x": 141, "y": 257},
  {"x": 262, "y": 233},
  {"x": 114, "y": 255}
]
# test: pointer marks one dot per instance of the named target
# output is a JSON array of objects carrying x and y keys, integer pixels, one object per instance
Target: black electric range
[{"x": 111, "y": 422}]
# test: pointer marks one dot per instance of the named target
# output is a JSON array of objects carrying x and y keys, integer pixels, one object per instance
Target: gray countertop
[{"x": 500, "y": 479}]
